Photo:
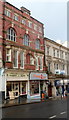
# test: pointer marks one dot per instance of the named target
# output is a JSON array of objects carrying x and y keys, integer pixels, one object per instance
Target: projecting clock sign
[{"x": 38, "y": 76}]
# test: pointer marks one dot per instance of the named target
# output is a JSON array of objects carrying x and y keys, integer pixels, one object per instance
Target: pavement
[{"x": 24, "y": 101}]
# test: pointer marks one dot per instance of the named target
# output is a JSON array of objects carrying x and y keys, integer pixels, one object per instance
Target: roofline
[
  {"x": 45, "y": 38},
  {"x": 21, "y": 11}
]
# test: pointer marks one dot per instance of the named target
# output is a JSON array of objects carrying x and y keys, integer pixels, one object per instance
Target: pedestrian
[
  {"x": 65, "y": 92},
  {"x": 60, "y": 91}
]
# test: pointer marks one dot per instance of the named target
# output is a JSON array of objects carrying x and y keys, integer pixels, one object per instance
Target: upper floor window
[
  {"x": 16, "y": 17},
  {"x": 8, "y": 55},
  {"x": 30, "y": 24},
  {"x": 7, "y": 13},
  {"x": 61, "y": 54},
  {"x": 57, "y": 66},
  {"x": 40, "y": 29},
  {"x": 11, "y": 35},
  {"x": 54, "y": 52},
  {"x": 41, "y": 63},
  {"x": 48, "y": 48},
  {"x": 23, "y": 21},
  {"x": 37, "y": 44},
  {"x": 63, "y": 67},
  {"x": 22, "y": 59},
  {"x": 58, "y": 53},
  {"x": 26, "y": 40},
  {"x": 37, "y": 64},
  {"x": 15, "y": 59},
  {"x": 31, "y": 60},
  {"x": 35, "y": 27}
]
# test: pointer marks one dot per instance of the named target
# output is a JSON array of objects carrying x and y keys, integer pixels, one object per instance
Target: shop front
[
  {"x": 63, "y": 84},
  {"x": 37, "y": 83},
  {"x": 16, "y": 85}
]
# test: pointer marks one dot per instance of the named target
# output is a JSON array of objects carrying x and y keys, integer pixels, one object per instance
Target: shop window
[
  {"x": 34, "y": 87},
  {"x": 23, "y": 88},
  {"x": 8, "y": 55}
]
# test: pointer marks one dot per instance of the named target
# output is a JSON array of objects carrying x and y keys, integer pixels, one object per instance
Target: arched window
[
  {"x": 11, "y": 35},
  {"x": 37, "y": 44},
  {"x": 26, "y": 40}
]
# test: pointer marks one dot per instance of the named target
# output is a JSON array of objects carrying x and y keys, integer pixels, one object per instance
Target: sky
[{"x": 52, "y": 13}]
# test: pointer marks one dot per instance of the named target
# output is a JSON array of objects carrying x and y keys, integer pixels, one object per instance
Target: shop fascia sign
[
  {"x": 38, "y": 76},
  {"x": 17, "y": 75}
]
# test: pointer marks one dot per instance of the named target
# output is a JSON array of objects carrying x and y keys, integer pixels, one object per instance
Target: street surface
[{"x": 47, "y": 109}]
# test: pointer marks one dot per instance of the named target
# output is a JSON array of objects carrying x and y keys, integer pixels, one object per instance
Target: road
[{"x": 48, "y": 109}]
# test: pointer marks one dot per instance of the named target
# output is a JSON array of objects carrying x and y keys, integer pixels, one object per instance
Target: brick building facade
[{"x": 22, "y": 63}]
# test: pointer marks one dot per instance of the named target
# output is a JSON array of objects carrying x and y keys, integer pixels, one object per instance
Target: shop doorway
[{"x": 49, "y": 91}]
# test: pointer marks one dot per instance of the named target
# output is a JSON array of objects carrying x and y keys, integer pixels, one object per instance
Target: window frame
[
  {"x": 11, "y": 35},
  {"x": 26, "y": 40},
  {"x": 37, "y": 44},
  {"x": 8, "y": 55},
  {"x": 22, "y": 60},
  {"x": 15, "y": 59}
]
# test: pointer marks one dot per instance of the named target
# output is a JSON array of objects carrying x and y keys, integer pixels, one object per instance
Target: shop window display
[{"x": 34, "y": 87}]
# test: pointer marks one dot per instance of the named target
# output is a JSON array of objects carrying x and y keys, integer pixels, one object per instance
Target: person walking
[{"x": 60, "y": 91}]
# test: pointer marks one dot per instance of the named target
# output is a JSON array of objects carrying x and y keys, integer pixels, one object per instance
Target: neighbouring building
[
  {"x": 57, "y": 61},
  {"x": 22, "y": 63}
]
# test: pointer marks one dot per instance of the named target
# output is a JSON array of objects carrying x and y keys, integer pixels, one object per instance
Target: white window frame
[
  {"x": 41, "y": 63},
  {"x": 26, "y": 40},
  {"x": 11, "y": 35},
  {"x": 48, "y": 50},
  {"x": 40, "y": 29},
  {"x": 30, "y": 24},
  {"x": 22, "y": 59},
  {"x": 23, "y": 21},
  {"x": 37, "y": 44},
  {"x": 54, "y": 52},
  {"x": 35, "y": 27},
  {"x": 37, "y": 65},
  {"x": 16, "y": 59},
  {"x": 7, "y": 12},
  {"x": 15, "y": 17},
  {"x": 31, "y": 60},
  {"x": 8, "y": 55}
]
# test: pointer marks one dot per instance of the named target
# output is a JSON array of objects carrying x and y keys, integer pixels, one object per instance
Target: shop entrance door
[{"x": 49, "y": 91}]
